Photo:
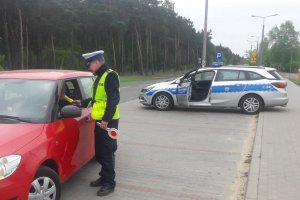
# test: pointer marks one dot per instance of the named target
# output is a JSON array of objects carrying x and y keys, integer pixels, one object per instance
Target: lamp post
[
  {"x": 204, "y": 48},
  {"x": 251, "y": 42},
  {"x": 263, "y": 34},
  {"x": 257, "y": 38}
]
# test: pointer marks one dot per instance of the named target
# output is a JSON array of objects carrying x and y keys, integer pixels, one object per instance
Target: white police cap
[{"x": 89, "y": 57}]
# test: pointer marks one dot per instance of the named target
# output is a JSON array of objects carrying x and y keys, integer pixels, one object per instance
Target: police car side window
[
  {"x": 228, "y": 75},
  {"x": 188, "y": 78},
  {"x": 242, "y": 76},
  {"x": 205, "y": 76},
  {"x": 231, "y": 75},
  {"x": 254, "y": 76}
]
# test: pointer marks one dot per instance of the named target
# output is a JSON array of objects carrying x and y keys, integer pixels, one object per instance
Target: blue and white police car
[{"x": 249, "y": 88}]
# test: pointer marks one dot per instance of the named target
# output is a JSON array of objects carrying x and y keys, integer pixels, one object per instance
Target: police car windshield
[{"x": 24, "y": 100}]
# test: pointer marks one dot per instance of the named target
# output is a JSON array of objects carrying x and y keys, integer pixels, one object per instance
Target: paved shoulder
[{"x": 275, "y": 168}]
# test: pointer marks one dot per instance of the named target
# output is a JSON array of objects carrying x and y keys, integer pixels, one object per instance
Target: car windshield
[{"x": 24, "y": 100}]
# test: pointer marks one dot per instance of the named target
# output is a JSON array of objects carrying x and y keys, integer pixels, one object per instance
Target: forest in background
[{"x": 138, "y": 36}]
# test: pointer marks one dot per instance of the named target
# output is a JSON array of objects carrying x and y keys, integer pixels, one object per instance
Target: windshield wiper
[{"x": 15, "y": 118}]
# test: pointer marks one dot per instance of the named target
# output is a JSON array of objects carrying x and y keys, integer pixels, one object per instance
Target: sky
[{"x": 231, "y": 22}]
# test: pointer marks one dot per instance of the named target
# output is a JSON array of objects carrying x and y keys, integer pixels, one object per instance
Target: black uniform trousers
[{"x": 105, "y": 148}]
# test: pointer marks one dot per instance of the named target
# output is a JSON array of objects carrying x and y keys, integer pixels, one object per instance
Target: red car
[{"x": 43, "y": 140}]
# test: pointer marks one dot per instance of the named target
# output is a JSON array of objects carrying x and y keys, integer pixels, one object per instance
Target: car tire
[
  {"x": 163, "y": 101},
  {"x": 45, "y": 177},
  {"x": 251, "y": 104}
]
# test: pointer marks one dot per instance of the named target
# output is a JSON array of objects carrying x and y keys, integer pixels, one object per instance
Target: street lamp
[
  {"x": 257, "y": 38},
  {"x": 251, "y": 42},
  {"x": 263, "y": 33},
  {"x": 205, "y": 36}
]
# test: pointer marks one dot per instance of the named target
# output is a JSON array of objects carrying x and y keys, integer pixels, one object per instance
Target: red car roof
[{"x": 43, "y": 74}]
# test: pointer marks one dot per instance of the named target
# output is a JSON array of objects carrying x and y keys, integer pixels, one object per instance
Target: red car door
[
  {"x": 74, "y": 136},
  {"x": 88, "y": 142}
]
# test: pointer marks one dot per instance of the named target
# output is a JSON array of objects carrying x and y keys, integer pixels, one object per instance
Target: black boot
[
  {"x": 96, "y": 183},
  {"x": 105, "y": 190}
]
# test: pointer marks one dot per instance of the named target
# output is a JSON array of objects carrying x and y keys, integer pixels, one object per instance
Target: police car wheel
[
  {"x": 45, "y": 185},
  {"x": 163, "y": 101},
  {"x": 251, "y": 104}
]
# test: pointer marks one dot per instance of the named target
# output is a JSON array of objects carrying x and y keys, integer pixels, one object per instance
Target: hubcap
[
  {"x": 251, "y": 104},
  {"x": 162, "y": 102},
  {"x": 42, "y": 188}
]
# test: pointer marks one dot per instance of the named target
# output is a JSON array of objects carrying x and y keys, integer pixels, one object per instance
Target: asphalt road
[
  {"x": 130, "y": 90},
  {"x": 179, "y": 154}
]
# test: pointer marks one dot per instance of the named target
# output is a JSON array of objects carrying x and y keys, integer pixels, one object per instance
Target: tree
[
  {"x": 282, "y": 49},
  {"x": 138, "y": 36}
]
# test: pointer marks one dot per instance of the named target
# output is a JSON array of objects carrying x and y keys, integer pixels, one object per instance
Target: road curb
[{"x": 254, "y": 171}]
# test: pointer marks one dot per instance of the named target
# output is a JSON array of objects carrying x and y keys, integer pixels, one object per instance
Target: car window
[
  {"x": 228, "y": 75},
  {"x": 205, "y": 76},
  {"x": 188, "y": 78},
  {"x": 255, "y": 76},
  {"x": 86, "y": 86},
  {"x": 276, "y": 75},
  {"x": 70, "y": 85},
  {"x": 242, "y": 76},
  {"x": 72, "y": 89},
  {"x": 27, "y": 99},
  {"x": 231, "y": 75}
]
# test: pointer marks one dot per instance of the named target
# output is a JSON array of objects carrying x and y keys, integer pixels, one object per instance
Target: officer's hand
[
  {"x": 104, "y": 125},
  {"x": 77, "y": 102}
]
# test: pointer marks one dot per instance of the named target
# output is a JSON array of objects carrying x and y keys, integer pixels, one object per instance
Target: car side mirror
[{"x": 70, "y": 111}]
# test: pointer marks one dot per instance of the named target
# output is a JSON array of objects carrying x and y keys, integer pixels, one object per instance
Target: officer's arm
[{"x": 113, "y": 95}]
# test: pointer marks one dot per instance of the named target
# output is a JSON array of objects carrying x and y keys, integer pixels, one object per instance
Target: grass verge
[
  {"x": 169, "y": 74},
  {"x": 296, "y": 81},
  {"x": 163, "y": 75},
  {"x": 133, "y": 78}
]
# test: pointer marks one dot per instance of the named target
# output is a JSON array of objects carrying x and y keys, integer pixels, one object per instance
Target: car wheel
[
  {"x": 45, "y": 185},
  {"x": 163, "y": 101},
  {"x": 251, "y": 104}
]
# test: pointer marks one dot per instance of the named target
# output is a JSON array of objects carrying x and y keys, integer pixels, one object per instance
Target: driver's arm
[{"x": 84, "y": 103}]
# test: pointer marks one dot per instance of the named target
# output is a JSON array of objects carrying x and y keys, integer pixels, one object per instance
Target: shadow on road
[
  {"x": 206, "y": 110},
  {"x": 216, "y": 110}
]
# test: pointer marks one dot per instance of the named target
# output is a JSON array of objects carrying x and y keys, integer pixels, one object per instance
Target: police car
[{"x": 249, "y": 88}]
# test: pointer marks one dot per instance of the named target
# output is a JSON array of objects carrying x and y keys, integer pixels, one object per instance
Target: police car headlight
[
  {"x": 8, "y": 165},
  {"x": 147, "y": 89}
]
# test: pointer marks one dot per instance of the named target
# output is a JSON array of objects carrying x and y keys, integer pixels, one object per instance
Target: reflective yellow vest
[{"x": 100, "y": 100}]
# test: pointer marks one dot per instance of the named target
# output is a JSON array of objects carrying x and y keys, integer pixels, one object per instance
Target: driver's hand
[{"x": 77, "y": 103}]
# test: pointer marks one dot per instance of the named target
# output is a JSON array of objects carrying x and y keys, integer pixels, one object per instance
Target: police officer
[{"x": 105, "y": 109}]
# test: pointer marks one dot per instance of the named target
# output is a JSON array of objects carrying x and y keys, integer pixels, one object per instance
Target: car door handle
[{"x": 87, "y": 119}]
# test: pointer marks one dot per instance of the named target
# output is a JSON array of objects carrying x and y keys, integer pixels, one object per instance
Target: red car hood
[{"x": 15, "y": 136}]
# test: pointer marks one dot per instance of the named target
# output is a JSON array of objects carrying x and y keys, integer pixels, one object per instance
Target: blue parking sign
[{"x": 219, "y": 56}]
